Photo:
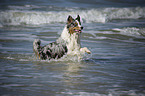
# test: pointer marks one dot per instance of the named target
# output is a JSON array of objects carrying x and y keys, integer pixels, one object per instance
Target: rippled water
[{"x": 115, "y": 36}]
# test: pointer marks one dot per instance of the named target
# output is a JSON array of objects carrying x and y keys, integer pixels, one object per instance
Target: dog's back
[{"x": 53, "y": 50}]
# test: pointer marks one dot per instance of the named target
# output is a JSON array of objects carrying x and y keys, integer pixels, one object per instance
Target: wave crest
[{"x": 18, "y": 17}]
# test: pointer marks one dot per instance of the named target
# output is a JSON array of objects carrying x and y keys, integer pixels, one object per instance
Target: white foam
[
  {"x": 10, "y": 58},
  {"x": 110, "y": 93},
  {"x": 23, "y": 60}
]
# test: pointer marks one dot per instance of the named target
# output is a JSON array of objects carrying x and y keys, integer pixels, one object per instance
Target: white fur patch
[{"x": 78, "y": 23}]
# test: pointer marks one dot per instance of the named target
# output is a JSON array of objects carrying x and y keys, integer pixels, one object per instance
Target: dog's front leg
[{"x": 85, "y": 49}]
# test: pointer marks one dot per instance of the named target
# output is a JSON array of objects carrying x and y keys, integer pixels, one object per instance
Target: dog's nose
[{"x": 82, "y": 28}]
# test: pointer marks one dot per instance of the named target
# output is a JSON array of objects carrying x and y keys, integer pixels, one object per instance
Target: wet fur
[{"x": 68, "y": 43}]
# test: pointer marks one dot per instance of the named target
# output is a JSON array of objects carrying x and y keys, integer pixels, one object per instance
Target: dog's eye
[
  {"x": 75, "y": 24},
  {"x": 72, "y": 24}
]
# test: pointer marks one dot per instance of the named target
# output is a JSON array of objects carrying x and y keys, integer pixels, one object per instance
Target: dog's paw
[
  {"x": 85, "y": 49},
  {"x": 88, "y": 51}
]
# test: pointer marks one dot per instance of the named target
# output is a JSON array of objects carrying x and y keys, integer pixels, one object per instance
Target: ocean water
[{"x": 114, "y": 31}]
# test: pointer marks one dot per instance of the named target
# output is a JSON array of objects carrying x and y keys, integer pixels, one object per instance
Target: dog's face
[{"x": 74, "y": 25}]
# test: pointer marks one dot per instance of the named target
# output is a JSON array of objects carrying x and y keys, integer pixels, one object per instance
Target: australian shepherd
[{"x": 67, "y": 44}]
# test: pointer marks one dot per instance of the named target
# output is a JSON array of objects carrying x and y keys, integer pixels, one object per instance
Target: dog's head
[{"x": 74, "y": 25}]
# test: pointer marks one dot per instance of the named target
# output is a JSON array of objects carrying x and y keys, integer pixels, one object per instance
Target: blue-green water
[{"x": 115, "y": 34}]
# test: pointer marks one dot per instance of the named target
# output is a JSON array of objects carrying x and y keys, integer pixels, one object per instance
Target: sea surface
[{"x": 114, "y": 31}]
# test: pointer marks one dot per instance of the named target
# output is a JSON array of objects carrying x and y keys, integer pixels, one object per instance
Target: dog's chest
[{"x": 74, "y": 42}]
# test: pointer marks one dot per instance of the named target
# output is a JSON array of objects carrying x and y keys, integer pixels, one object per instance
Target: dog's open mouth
[{"x": 78, "y": 31}]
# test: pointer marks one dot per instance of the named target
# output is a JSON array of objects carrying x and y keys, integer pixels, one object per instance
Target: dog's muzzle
[{"x": 79, "y": 31}]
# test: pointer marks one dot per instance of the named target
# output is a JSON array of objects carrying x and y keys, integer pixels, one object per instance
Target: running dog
[{"x": 67, "y": 44}]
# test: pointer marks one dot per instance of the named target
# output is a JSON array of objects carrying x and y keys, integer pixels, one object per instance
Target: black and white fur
[{"x": 67, "y": 44}]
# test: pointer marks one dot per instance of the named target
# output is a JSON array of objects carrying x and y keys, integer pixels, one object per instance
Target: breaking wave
[
  {"x": 131, "y": 31},
  {"x": 23, "y": 17}
]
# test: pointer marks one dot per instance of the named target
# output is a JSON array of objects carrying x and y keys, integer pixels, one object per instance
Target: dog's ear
[
  {"x": 69, "y": 19},
  {"x": 78, "y": 18}
]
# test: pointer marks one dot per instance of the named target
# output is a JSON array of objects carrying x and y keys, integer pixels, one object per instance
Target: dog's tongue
[{"x": 79, "y": 31}]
